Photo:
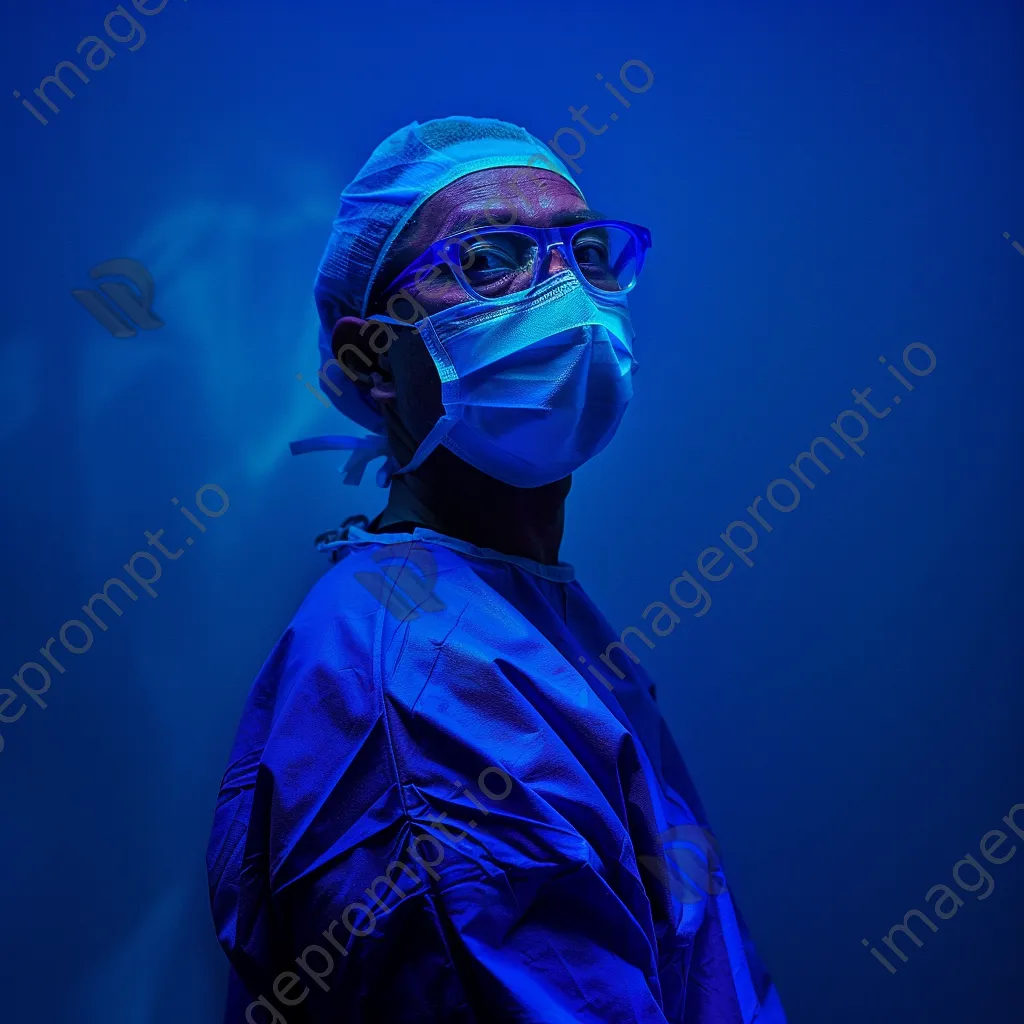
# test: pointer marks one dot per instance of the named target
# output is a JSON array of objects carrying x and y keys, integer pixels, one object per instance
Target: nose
[{"x": 556, "y": 263}]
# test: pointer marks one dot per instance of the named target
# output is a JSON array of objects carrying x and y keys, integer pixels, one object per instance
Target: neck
[{"x": 451, "y": 497}]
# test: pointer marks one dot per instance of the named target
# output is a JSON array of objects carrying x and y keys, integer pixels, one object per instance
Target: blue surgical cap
[{"x": 402, "y": 173}]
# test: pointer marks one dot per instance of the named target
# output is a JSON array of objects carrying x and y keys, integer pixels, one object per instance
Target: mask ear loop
[
  {"x": 445, "y": 422},
  {"x": 437, "y": 434}
]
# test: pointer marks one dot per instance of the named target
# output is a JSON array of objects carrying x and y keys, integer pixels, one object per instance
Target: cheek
[{"x": 417, "y": 385}]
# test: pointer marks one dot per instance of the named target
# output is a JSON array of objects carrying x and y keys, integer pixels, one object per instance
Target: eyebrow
[{"x": 577, "y": 217}]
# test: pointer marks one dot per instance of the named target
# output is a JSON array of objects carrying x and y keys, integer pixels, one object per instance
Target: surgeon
[{"x": 442, "y": 803}]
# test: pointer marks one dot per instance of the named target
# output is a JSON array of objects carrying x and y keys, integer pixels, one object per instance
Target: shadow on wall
[{"x": 131, "y": 774}]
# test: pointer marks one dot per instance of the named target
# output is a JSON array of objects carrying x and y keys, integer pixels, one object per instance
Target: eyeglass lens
[{"x": 502, "y": 262}]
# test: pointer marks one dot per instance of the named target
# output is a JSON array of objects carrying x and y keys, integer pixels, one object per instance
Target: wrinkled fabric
[
  {"x": 412, "y": 164},
  {"x": 435, "y": 698}
]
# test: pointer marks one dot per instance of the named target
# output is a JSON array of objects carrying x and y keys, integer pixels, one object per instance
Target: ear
[
  {"x": 382, "y": 390},
  {"x": 351, "y": 350},
  {"x": 350, "y": 335}
]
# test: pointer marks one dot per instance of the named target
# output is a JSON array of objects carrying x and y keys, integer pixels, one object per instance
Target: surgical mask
[{"x": 534, "y": 384}]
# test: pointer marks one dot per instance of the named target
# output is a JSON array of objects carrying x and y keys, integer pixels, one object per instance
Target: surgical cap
[{"x": 403, "y": 172}]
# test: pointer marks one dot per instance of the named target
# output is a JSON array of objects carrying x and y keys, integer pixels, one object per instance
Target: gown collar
[{"x": 560, "y": 572}]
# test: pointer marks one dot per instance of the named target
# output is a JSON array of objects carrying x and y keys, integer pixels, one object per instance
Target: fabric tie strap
[{"x": 364, "y": 450}]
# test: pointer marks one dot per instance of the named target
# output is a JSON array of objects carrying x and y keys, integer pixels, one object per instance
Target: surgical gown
[{"x": 434, "y": 811}]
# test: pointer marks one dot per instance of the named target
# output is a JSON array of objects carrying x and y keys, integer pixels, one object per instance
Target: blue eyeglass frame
[{"x": 546, "y": 238}]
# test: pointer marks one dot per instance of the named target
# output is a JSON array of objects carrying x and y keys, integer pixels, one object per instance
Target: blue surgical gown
[{"x": 434, "y": 812}]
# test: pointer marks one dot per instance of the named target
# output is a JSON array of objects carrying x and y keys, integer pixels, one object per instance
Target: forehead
[{"x": 499, "y": 195}]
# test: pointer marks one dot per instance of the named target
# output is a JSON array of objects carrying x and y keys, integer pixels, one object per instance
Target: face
[{"x": 411, "y": 391}]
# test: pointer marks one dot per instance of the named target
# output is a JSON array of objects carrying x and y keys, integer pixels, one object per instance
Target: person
[{"x": 438, "y": 807}]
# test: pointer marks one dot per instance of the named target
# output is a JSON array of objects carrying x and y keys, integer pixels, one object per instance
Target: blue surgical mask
[{"x": 533, "y": 384}]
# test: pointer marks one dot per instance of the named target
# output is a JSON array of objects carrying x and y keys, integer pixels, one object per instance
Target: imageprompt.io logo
[
  {"x": 691, "y": 867},
  {"x": 405, "y": 586},
  {"x": 120, "y": 303}
]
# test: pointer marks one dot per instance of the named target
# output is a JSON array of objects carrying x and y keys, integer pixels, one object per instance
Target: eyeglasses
[{"x": 495, "y": 261}]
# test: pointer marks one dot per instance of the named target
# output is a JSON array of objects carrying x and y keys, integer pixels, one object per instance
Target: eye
[
  {"x": 487, "y": 258},
  {"x": 497, "y": 262},
  {"x": 606, "y": 255},
  {"x": 591, "y": 249}
]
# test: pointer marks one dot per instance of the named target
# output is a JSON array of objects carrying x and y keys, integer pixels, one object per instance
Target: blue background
[{"x": 825, "y": 184}]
